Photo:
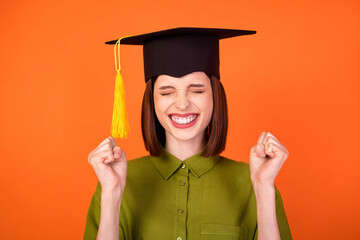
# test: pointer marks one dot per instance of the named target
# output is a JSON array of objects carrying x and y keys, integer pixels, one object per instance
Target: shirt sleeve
[
  {"x": 282, "y": 221},
  {"x": 93, "y": 217}
]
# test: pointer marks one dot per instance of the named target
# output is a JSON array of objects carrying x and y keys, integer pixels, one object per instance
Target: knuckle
[
  {"x": 253, "y": 148},
  {"x": 91, "y": 161},
  {"x": 268, "y": 135},
  {"x": 110, "y": 156},
  {"x": 90, "y": 156}
]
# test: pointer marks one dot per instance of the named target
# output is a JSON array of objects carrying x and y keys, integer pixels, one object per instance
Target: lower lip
[{"x": 184, "y": 125}]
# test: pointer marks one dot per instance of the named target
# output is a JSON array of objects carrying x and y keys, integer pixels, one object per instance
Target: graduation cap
[{"x": 175, "y": 52}]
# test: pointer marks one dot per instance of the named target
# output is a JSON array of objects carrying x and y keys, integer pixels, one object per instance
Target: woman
[{"x": 184, "y": 189}]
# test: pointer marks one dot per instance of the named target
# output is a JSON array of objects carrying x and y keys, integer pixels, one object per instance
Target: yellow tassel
[{"x": 120, "y": 121}]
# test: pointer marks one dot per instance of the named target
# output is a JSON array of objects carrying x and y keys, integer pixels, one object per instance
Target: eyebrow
[
  {"x": 196, "y": 85},
  {"x": 166, "y": 87},
  {"x": 191, "y": 85}
]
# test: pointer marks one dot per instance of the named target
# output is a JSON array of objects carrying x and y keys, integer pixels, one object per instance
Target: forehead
[{"x": 184, "y": 81}]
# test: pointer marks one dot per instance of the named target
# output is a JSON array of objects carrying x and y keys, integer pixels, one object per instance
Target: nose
[{"x": 182, "y": 101}]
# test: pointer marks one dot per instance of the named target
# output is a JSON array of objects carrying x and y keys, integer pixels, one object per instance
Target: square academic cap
[
  {"x": 179, "y": 51},
  {"x": 175, "y": 52}
]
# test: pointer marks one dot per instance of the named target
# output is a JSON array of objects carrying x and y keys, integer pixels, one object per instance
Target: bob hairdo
[{"x": 154, "y": 134}]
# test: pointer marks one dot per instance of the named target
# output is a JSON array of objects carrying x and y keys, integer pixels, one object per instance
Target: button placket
[
  {"x": 182, "y": 183},
  {"x": 181, "y": 203}
]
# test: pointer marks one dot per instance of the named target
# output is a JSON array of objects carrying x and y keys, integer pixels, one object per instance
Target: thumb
[
  {"x": 260, "y": 150},
  {"x": 117, "y": 152}
]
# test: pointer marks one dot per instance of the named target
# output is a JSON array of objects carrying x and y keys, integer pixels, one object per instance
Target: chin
[
  {"x": 182, "y": 137},
  {"x": 185, "y": 134}
]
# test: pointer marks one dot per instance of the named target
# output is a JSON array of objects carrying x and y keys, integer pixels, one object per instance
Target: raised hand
[
  {"x": 266, "y": 159},
  {"x": 110, "y": 165}
]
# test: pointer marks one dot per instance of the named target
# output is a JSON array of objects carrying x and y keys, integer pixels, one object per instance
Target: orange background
[{"x": 297, "y": 78}]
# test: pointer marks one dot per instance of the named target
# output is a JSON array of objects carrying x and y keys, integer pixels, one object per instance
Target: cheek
[
  {"x": 206, "y": 105},
  {"x": 161, "y": 106},
  {"x": 209, "y": 110}
]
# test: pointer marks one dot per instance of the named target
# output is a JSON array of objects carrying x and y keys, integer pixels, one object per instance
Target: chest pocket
[{"x": 222, "y": 232}]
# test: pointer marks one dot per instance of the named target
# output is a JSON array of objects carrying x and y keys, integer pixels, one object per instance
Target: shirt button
[
  {"x": 181, "y": 183},
  {"x": 183, "y": 165},
  {"x": 180, "y": 211},
  {"x": 179, "y": 238}
]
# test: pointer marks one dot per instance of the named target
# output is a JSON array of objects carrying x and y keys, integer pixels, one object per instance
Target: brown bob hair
[{"x": 154, "y": 134}]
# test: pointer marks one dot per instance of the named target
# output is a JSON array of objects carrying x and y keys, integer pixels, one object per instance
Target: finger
[
  {"x": 260, "y": 148},
  {"x": 109, "y": 157},
  {"x": 112, "y": 140},
  {"x": 108, "y": 142},
  {"x": 117, "y": 152},
  {"x": 261, "y": 137},
  {"x": 104, "y": 147},
  {"x": 121, "y": 159},
  {"x": 273, "y": 150},
  {"x": 272, "y": 135},
  {"x": 263, "y": 140},
  {"x": 117, "y": 149},
  {"x": 269, "y": 135},
  {"x": 101, "y": 157},
  {"x": 270, "y": 139}
]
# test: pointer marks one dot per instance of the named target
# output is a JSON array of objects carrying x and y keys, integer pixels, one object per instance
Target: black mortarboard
[
  {"x": 175, "y": 52},
  {"x": 179, "y": 51}
]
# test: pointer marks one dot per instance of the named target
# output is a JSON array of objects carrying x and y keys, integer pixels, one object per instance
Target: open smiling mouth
[{"x": 183, "y": 120}]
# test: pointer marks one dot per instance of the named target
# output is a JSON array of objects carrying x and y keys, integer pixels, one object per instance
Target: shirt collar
[{"x": 167, "y": 164}]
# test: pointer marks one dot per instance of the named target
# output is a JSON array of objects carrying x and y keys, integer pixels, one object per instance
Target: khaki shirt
[{"x": 196, "y": 199}]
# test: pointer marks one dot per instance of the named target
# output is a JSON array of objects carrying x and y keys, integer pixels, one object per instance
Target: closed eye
[
  {"x": 166, "y": 93},
  {"x": 196, "y": 88},
  {"x": 166, "y": 90}
]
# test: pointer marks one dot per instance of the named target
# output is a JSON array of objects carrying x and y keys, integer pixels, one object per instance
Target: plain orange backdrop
[{"x": 297, "y": 78}]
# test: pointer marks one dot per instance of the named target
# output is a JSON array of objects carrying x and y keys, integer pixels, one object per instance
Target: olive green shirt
[{"x": 199, "y": 198}]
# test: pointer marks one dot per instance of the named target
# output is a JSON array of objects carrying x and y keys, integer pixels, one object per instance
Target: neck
[{"x": 183, "y": 149}]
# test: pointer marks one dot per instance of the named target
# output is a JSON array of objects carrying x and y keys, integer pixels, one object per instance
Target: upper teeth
[{"x": 183, "y": 120}]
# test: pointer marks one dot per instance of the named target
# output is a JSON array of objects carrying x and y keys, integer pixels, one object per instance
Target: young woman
[{"x": 184, "y": 189}]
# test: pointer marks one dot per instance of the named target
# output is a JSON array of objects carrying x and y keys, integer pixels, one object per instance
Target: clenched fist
[
  {"x": 110, "y": 165},
  {"x": 266, "y": 159}
]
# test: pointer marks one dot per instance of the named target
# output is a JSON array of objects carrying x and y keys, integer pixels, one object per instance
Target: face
[{"x": 184, "y": 105}]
